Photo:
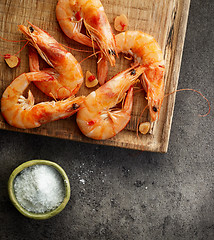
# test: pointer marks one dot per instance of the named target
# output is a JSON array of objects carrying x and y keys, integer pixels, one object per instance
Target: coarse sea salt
[{"x": 39, "y": 188}]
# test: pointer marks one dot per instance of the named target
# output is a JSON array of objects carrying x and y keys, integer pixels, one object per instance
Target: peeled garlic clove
[
  {"x": 121, "y": 23},
  {"x": 90, "y": 80},
  {"x": 144, "y": 127}
]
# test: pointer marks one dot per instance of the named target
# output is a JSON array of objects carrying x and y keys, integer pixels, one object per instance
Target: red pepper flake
[
  {"x": 6, "y": 56},
  {"x": 91, "y": 78},
  {"x": 91, "y": 122},
  {"x": 122, "y": 25},
  {"x": 77, "y": 16},
  {"x": 161, "y": 66}
]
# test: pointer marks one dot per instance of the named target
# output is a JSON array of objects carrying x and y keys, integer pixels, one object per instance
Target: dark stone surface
[{"x": 125, "y": 194}]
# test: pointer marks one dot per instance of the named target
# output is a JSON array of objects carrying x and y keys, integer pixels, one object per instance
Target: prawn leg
[{"x": 124, "y": 115}]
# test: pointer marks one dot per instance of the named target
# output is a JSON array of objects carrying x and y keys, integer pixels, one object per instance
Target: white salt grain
[
  {"x": 39, "y": 188},
  {"x": 82, "y": 181}
]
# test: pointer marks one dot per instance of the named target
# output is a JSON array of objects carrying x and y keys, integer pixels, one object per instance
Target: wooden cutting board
[{"x": 166, "y": 20}]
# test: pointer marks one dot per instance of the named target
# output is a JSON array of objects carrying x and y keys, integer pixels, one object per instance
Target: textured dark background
[{"x": 126, "y": 194}]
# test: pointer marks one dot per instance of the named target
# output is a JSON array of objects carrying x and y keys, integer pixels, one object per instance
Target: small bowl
[{"x": 39, "y": 216}]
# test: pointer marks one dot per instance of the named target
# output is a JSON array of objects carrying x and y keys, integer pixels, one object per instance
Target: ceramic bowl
[{"x": 33, "y": 215}]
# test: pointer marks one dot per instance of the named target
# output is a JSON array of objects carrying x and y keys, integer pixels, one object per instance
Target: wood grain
[{"x": 166, "y": 20}]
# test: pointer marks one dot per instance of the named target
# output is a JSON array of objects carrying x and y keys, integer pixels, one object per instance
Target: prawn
[
  {"x": 72, "y": 13},
  {"x": 21, "y": 112},
  {"x": 66, "y": 70},
  {"x": 146, "y": 51},
  {"x": 97, "y": 118}
]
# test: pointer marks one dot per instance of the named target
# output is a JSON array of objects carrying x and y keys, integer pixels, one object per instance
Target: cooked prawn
[
  {"x": 21, "y": 112},
  {"x": 70, "y": 15},
  {"x": 98, "y": 119},
  {"x": 146, "y": 51},
  {"x": 66, "y": 70}
]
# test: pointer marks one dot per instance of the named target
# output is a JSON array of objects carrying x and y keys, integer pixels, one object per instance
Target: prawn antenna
[
  {"x": 89, "y": 56},
  {"x": 189, "y": 89},
  {"x": 78, "y": 50},
  {"x": 7, "y": 40},
  {"x": 6, "y": 55},
  {"x": 22, "y": 48}
]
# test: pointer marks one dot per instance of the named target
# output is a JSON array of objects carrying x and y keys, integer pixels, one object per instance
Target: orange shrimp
[
  {"x": 98, "y": 119},
  {"x": 146, "y": 51},
  {"x": 70, "y": 15},
  {"x": 66, "y": 71},
  {"x": 21, "y": 112}
]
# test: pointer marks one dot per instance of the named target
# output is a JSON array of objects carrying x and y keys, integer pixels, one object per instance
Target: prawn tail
[
  {"x": 102, "y": 69},
  {"x": 30, "y": 98},
  {"x": 33, "y": 59},
  {"x": 129, "y": 100}
]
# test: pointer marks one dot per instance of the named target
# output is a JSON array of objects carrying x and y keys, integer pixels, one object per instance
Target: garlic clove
[
  {"x": 12, "y": 61},
  {"x": 121, "y": 23},
  {"x": 90, "y": 80},
  {"x": 144, "y": 127}
]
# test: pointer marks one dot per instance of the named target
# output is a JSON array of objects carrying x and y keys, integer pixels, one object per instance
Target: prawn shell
[
  {"x": 147, "y": 52},
  {"x": 66, "y": 71}
]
